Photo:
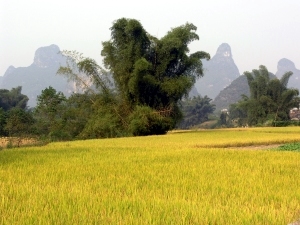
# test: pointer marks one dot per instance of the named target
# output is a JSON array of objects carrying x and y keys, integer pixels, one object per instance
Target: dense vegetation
[
  {"x": 269, "y": 102},
  {"x": 142, "y": 90},
  {"x": 15, "y": 119},
  {"x": 149, "y": 77},
  {"x": 195, "y": 111}
]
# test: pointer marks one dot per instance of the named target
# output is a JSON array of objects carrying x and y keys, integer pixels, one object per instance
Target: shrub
[
  {"x": 286, "y": 123},
  {"x": 146, "y": 121}
]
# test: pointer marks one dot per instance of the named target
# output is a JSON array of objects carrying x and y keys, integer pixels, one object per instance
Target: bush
[
  {"x": 59, "y": 135},
  {"x": 286, "y": 123},
  {"x": 146, "y": 121},
  {"x": 105, "y": 123}
]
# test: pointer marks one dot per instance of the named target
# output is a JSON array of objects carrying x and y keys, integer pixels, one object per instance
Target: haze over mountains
[
  {"x": 222, "y": 81},
  {"x": 285, "y": 65},
  {"x": 219, "y": 72},
  {"x": 39, "y": 75},
  {"x": 232, "y": 93}
]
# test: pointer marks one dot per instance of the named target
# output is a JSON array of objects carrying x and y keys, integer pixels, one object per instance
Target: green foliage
[
  {"x": 152, "y": 72},
  {"x": 98, "y": 112},
  {"x": 13, "y": 98},
  {"x": 19, "y": 122},
  {"x": 237, "y": 114},
  {"x": 59, "y": 135},
  {"x": 150, "y": 77},
  {"x": 106, "y": 120},
  {"x": 9, "y": 144},
  {"x": 195, "y": 111},
  {"x": 285, "y": 123},
  {"x": 270, "y": 100},
  {"x": 224, "y": 119},
  {"x": 15, "y": 119},
  {"x": 87, "y": 75},
  {"x": 290, "y": 147},
  {"x": 77, "y": 111},
  {"x": 3, "y": 116},
  {"x": 145, "y": 121},
  {"x": 49, "y": 113}
]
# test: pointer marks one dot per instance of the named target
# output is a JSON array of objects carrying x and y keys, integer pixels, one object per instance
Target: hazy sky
[{"x": 260, "y": 32}]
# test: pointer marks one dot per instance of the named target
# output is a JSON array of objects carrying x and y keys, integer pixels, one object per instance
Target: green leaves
[
  {"x": 150, "y": 76},
  {"x": 15, "y": 119},
  {"x": 146, "y": 121},
  {"x": 12, "y": 98},
  {"x": 134, "y": 56},
  {"x": 49, "y": 112},
  {"x": 18, "y": 122},
  {"x": 85, "y": 73},
  {"x": 269, "y": 99},
  {"x": 49, "y": 100},
  {"x": 152, "y": 72},
  {"x": 290, "y": 147},
  {"x": 196, "y": 111}
]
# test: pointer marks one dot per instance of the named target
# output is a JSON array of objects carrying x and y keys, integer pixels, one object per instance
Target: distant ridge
[
  {"x": 39, "y": 75},
  {"x": 284, "y": 65},
  {"x": 233, "y": 93},
  {"x": 221, "y": 82},
  {"x": 219, "y": 72}
]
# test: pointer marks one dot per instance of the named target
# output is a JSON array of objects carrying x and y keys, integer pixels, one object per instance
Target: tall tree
[
  {"x": 107, "y": 113},
  {"x": 153, "y": 72},
  {"x": 150, "y": 75},
  {"x": 77, "y": 112},
  {"x": 150, "y": 71},
  {"x": 49, "y": 112}
]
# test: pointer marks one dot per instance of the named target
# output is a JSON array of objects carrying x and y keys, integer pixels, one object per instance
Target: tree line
[
  {"x": 269, "y": 102},
  {"x": 137, "y": 93},
  {"x": 142, "y": 90}
]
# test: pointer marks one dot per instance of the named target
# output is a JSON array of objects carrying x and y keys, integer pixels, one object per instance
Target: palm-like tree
[{"x": 270, "y": 99}]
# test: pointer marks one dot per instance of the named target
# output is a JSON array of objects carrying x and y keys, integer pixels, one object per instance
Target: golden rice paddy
[{"x": 195, "y": 177}]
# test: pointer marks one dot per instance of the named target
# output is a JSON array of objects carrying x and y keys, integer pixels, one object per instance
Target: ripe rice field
[{"x": 195, "y": 177}]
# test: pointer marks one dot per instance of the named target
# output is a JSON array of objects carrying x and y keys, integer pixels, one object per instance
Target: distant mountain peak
[
  {"x": 219, "y": 72},
  {"x": 47, "y": 56},
  {"x": 9, "y": 70},
  {"x": 285, "y": 65},
  {"x": 224, "y": 50},
  {"x": 39, "y": 75}
]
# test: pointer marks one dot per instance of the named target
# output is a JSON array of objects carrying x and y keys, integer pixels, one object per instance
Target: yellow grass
[{"x": 178, "y": 178}]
